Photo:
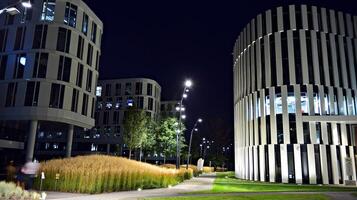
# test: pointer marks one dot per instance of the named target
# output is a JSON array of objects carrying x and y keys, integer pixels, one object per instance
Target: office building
[{"x": 295, "y": 97}]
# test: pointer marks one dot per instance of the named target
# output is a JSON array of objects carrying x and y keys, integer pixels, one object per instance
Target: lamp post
[
  {"x": 12, "y": 10},
  {"x": 188, "y": 84},
  {"x": 199, "y": 120}
]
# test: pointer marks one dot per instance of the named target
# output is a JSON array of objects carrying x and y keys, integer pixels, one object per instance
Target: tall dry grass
[{"x": 98, "y": 173}]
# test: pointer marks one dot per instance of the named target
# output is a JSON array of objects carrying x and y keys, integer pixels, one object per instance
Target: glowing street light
[
  {"x": 188, "y": 83},
  {"x": 12, "y": 10},
  {"x": 26, "y": 4}
]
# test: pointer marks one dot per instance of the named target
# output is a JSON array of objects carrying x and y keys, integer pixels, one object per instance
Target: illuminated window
[
  {"x": 267, "y": 105},
  {"x": 327, "y": 104},
  {"x": 130, "y": 102},
  {"x": 258, "y": 108},
  {"x": 317, "y": 105},
  {"x": 304, "y": 103},
  {"x": 85, "y": 24},
  {"x": 278, "y": 104},
  {"x": 291, "y": 103},
  {"x": 98, "y": 91},
  {"x": 48, "y": 10},
  {"x": 20, "y": 66},
  {"x": 70, "y": 16}
]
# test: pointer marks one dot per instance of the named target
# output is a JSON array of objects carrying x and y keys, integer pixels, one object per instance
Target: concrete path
[{"x": 203, "y": 182}]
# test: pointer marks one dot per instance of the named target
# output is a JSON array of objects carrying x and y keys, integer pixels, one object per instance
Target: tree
[
  {"x": 135, "y": 128},
  {"x": 149, "y": 140},
  {"x": 166, "y": 136}
]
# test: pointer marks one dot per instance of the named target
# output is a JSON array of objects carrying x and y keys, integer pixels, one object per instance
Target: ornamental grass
[{"x": 100, "y": 173}]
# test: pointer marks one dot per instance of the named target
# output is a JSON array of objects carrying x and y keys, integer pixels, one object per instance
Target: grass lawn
[
  {"x": 226, "y": 182},
  {"x": 251, "y": 197}
]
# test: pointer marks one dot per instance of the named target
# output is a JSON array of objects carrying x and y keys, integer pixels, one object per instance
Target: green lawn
[
  {"x": 226, "y": 182},
  {"x": 251, "y": 197}
]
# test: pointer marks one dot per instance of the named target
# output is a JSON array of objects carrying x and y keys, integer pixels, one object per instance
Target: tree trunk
[
  {"x": 129, "y": 153},
  {"x": 140, "y": 154},
  {"x": 164, "y": 159}
]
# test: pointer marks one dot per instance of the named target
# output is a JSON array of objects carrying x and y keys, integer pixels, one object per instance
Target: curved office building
[
  {"x": 295, "y": 97},
  {"x": 49, "y": 57},
  {"x": 114, "y": 97}
]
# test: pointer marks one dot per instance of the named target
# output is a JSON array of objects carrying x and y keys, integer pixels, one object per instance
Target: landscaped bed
[{"x": 97, "y": 174}]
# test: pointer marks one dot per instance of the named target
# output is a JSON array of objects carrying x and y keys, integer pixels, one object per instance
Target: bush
[
  {"x": 208, "y": 169},
  {"x": 11, "y": 191},
  {"x": 99, "y": 173}
]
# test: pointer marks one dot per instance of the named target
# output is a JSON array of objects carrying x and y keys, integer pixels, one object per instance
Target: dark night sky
[{"x": 169, "y": 41}]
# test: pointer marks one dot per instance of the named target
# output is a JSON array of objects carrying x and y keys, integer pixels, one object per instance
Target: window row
[
  {"x": 70, "y": 17},
  {"x": 119, "y": 103},
  {"x": 120, "y": 89},
  {"x": 40, "y": 69},
  {"x": 307, "y": 99},
  {"x": 63, "y": 42},
  {"x": 56, "y": 97}
]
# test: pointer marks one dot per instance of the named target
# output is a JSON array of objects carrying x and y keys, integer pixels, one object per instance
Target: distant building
[
  {"x": 168, "y": 109},
  {"x": 49, "y": 60},
  {"x": 295, "y": 96},
  {"x": 113, "y": 99}
]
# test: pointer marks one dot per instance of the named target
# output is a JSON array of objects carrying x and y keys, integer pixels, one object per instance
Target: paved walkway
[{"x": 204, "y": 182}]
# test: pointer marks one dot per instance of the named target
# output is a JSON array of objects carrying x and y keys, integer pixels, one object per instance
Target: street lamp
[
  {"x": 199, "y": 120},
  {"x": 26, "y": 4},
  {"x": 188, "y": 84},
  {"x": 12, "y": 10}
]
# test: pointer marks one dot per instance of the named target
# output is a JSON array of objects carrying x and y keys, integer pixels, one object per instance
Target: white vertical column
[
  {"x": 292, "y": 74},
  {"x": 251, "y": 166},
  {"x": 299, "y": 129},
  {"x": 273, "y": 134},
  {"x": 334, "y": 133},
  {"x": 352, "y": 156},
  {"x": 343, "y": 163},
  {"x": 267, "y": 62},
  {"x": 284, "y": 163},
  {"x": 325, "y": 58},
  {"x": 271, "y": 152},
  {"x": 262, "y": 162},
  {"x": 334, "y": 163},
  {"x": 297, "y": 162},
  {"x": 284, "y": 94},
  {"x": 278, "y": 59},
  {"x": 304, "y": 65},
  {"x": 255, "y": 152},
  {"x": 311, "y": 160},
  {"x": 324, "y": 169},
  {"x": 344, "y": 135},
  {"x": 324, "y": 132},
  {"x": 315, "y": 57},
  {"x": 313, "y": 136}
]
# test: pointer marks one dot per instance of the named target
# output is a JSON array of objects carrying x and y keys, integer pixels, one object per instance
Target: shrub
[
  {"x": 208, "y": 169},
  {"x": 99, "y": 173},
  {"x": 11, "y": 191}
]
